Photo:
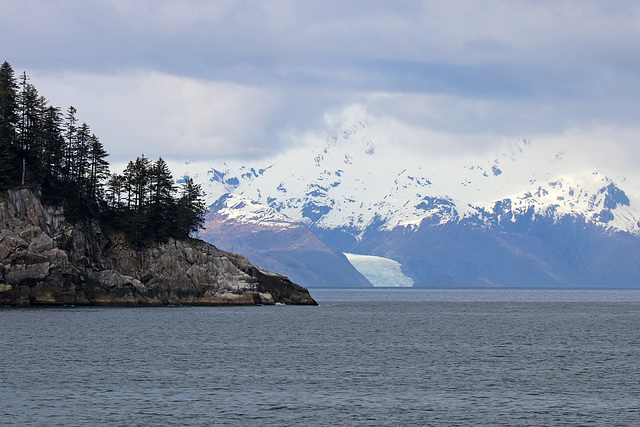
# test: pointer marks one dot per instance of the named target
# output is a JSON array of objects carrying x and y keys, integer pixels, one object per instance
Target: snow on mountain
[
  {"x": 243, "y": 210},
  {"x": 354, "y": 179},
  {"x": 526, "y": 214},
  {"x": 594, "y": 197}
]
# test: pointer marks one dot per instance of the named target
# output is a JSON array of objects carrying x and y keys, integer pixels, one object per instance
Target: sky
[{"x": 211, "y": 79}]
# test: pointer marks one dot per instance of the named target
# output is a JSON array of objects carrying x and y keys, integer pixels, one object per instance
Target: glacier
[{"x": 380, "y": 271}]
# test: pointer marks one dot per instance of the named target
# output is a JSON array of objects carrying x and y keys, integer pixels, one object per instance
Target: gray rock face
[{"x": 44, "y": 260}]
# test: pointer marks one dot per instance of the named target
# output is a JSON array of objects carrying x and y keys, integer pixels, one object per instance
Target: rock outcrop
[{"x": 46, "y": 260}]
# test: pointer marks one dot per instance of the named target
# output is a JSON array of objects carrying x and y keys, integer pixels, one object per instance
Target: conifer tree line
[
  {"x": 50, "y": 151},
  {"x": 143, "y": 201},
  {"x": 42, "y": 147}
]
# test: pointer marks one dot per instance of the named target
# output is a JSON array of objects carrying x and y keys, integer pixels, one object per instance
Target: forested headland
[{"x": 62, "y": 160}]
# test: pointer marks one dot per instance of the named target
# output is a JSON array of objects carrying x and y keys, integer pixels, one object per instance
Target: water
[{"x": 363, "y": 357}]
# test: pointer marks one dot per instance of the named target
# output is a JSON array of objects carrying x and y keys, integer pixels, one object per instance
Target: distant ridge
[{"x": 495, "y": 222}]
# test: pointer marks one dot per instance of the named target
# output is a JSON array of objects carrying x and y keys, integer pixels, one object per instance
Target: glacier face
[
  {"x": 380, "y": 271},
  {"x": 518, "y": 216}
]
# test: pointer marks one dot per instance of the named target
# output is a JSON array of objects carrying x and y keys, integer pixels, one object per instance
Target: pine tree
[
  {"x": 28, "y": 107},
  {"x": 191, "y": 209},
  {"x": 8, "y": 104},
  {"x": 162, "y": 204},
  {"x": 80, "y": 150},
  {"x": 98, "y": 167},
  {"x": 52, "y": 143},
  {"x": 142, "y": 203},
  {"x": 31, "y": 107},
  {"x": 8, "y": 123},
  {"x": 114, "y": 192},
  {"x": 161, "y": 183},
  {"x": 68, "y": 163},
  {"x": 69, "y": 144},
  {"x": 140, "y": 183},
  {"x": 134, "y": 218}
]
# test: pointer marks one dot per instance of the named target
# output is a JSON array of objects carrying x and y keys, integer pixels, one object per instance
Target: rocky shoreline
[{"x": 45, "y": 260}]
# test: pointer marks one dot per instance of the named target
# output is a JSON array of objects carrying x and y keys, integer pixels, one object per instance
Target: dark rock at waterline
[{"x": 45, "y": 260}]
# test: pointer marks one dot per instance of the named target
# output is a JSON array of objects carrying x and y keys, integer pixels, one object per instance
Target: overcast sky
[{"x": 197, "y": 79}]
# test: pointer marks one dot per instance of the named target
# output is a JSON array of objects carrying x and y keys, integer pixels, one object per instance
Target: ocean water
[{"x": 363, "y": 357}]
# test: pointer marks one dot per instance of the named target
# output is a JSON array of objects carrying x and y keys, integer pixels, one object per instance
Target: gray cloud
[{"x": 230, "y": 77}]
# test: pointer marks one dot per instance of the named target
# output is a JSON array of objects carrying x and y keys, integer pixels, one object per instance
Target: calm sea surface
[{"x": 363, "y": 357}]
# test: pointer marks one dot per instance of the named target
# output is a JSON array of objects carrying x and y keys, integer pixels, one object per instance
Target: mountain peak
[
  {"x": 240, "y": 209},
  {"x": 524, "y": 214},
  {"x": 356, "y": 179}
]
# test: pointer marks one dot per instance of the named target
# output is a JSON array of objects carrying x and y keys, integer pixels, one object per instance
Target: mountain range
[{"x": 519, "y": 216}]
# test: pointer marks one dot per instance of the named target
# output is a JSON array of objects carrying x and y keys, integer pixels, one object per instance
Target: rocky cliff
[{"x": 46, "y": 260}]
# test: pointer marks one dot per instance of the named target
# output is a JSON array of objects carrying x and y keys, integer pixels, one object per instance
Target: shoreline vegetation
[
  {"x": 72, "y": 233},
  {"x": 53, "y": 155}
]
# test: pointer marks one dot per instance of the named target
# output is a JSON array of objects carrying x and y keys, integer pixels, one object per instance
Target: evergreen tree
[
  {"x": 8, "y": 123},
  {"x": 127, "y": 183},
  {"x": 68, "y": 164},
  {"x": 81, "y": 158},
  {"x": 162, "y": 205},
  {"x": 52, "y": 143},
  {"x": 98, "y": 167},
  {"x": 69, "y": 144},
  {"x": 8, "y": 104},
  {"x": 191, "y": 208},
  {"x": 31, "y": 107},
  {"x": 135, "y": 218},
  {"x": 143, "y": 204},
  {"x": 28, "y": 107},
  {"x": 161, "y": 183},
  {"x": 140, "y": 183},
  {"x": 114, "y": 192}
]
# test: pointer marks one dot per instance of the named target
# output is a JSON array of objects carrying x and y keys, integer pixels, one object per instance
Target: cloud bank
[{"x": 241, "y": 78}]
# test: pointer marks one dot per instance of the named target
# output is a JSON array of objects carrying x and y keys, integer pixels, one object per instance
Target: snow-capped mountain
[
  {"x": 349, "y": 183},
  {"x": 361, "y": 193}
]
